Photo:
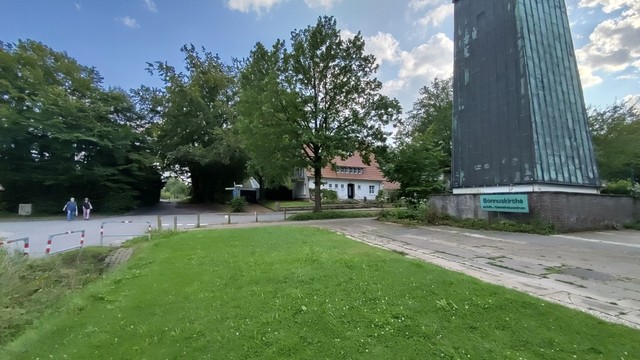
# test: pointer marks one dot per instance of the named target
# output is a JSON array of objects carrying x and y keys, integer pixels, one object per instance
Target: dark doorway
[{"x": 351, "y": 189}]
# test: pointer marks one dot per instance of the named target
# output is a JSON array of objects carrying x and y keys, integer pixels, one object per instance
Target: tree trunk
[
  {"x": 317, "y": 175},
  {"x": 196, "y": 186},
  {"x": 262, "y": 189}
]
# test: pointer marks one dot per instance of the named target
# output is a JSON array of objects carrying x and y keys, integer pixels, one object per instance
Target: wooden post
[
  {"x": 198, "y": 220},
  {"x": 285, "y": 213},
  {"x": 159, "y": 223},
  {"x": 175, "y": 223},
  {"x": 229, "y": 217}
]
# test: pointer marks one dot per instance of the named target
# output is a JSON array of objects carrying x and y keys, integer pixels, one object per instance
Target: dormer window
[{"x": 349, "y": 170}]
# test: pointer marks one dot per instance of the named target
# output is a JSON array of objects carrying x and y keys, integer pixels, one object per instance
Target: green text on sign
[{"x": 506, "y": 203}]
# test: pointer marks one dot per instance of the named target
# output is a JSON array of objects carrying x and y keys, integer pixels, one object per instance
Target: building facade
[
  {"x": 519, "y": 118},
  {"x": 350, "y": 178}
]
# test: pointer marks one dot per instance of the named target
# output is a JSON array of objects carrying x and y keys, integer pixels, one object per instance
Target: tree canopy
[
  {"x": 615, "y": 130},
  {"x": 196, "y": 114},
  {"x": 64, "y": 135},
  {"x": 421, "y": 160},
  {"x": 307, "y": 104}
]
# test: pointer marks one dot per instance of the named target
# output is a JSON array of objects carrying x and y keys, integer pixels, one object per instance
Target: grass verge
[
  {"x": 331, "y": 214},
  {"x": 305, "y": 293},
  {"x": 409, "y": 216},
  {"x": 29, "y": 287}
]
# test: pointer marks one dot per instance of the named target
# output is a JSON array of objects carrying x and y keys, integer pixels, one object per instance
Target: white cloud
[
  {"x": 415, "y": 68},
  {"x": 393, "y": 86},
  {"x": 78, "y": 7},
  {"x": 613, "y": 45},
  {"x": 417, "y": 5},
  {"x": 437, "y": 16},
  {"x": 326, "y": 4},
  {"x": 151, "y": 5},
  {"x": 609, "y": 6},
  {"x": 633, "y": 100},
  {"x": 128, "y": 22},
  {"x": 384, "y": 47},
  {"x": 587, "y": 77},
  {"x": 257, "y": 6},
  {"x": 429, "y": 60}
]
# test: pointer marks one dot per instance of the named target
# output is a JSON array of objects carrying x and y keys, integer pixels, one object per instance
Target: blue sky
[{"x": 411, "y": 38}]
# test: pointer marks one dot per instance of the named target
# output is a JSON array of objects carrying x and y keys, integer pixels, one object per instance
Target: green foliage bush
[
  {"x": 116, "y": 202},
  {"x": 238, "y": 204},
  {"x": 398, "y": 214},
  {"x": 388, "y": 196},
  {"x": 175, "y": 189},
  {"x": 620, "y": 187},
  {"x": 415, "y": 195},
  {"x": 329, "y": 214},
  {"x": 634, "y": 226},
  {"x": 423, "y": 215},
  {"x": 329, "y": 195}
]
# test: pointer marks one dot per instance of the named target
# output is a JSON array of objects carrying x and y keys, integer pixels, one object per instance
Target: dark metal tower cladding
[{"x": 519, "y": 117}]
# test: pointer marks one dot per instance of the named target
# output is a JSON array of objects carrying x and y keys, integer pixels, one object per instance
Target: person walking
[
  {"x": 86, "y": 208},
  {"x": 71, "y": 208}
]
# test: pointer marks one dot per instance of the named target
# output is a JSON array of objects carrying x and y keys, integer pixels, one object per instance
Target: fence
[
  {"x": 24, "y": 239},
  {"x": 50, "y": 240},
  {"x": 102, "y": 235}
]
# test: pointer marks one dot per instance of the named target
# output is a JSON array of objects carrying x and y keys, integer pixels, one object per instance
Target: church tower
[{"x": 519, "y": 118}]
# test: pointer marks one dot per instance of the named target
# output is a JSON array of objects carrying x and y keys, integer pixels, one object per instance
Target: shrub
[
  {"x": 421, "y": 214},
  {"x": 401, "y": 214},
  {"x": 325, "y": 215},
  {"x": 634, "y": 226},
  {"x": 415, "y": 195},
  {"x": 620, "y": 187},
  {"x": 329, "y": 195},
  {"x": 238, "y": 204}
]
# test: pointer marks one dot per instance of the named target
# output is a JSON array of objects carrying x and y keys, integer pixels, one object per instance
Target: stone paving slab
[{"x": 118, "y": 257}]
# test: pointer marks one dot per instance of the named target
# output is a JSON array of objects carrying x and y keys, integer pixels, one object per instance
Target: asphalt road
[{"x": 116, "y": 229}]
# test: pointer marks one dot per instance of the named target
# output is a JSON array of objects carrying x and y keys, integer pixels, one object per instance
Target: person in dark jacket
[{"x": 86, "y": 208}]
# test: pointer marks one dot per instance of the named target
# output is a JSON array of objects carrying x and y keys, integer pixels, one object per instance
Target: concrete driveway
[{"x": 596, "y": 272}]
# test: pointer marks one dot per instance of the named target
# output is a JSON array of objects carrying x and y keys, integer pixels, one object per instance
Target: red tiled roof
[
  {"x": 369, "y": 172},
  {"x": 388, "y": 185}
]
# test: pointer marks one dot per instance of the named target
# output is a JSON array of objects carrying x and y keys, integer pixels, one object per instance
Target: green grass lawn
[{"x": 305, "y": 293}]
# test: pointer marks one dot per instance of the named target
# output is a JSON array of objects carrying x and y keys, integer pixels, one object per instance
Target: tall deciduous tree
[
  {"x": 64, "y": 135},
  {"x": 197, "y": 114},
  {"x": 422, "y": 156},
  {"x": 615, "y": 130},
  {"x": 317, "y": 100}
]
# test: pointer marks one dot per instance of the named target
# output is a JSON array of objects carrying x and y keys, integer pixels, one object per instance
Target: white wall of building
[{"x": 362, "y": 188}]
